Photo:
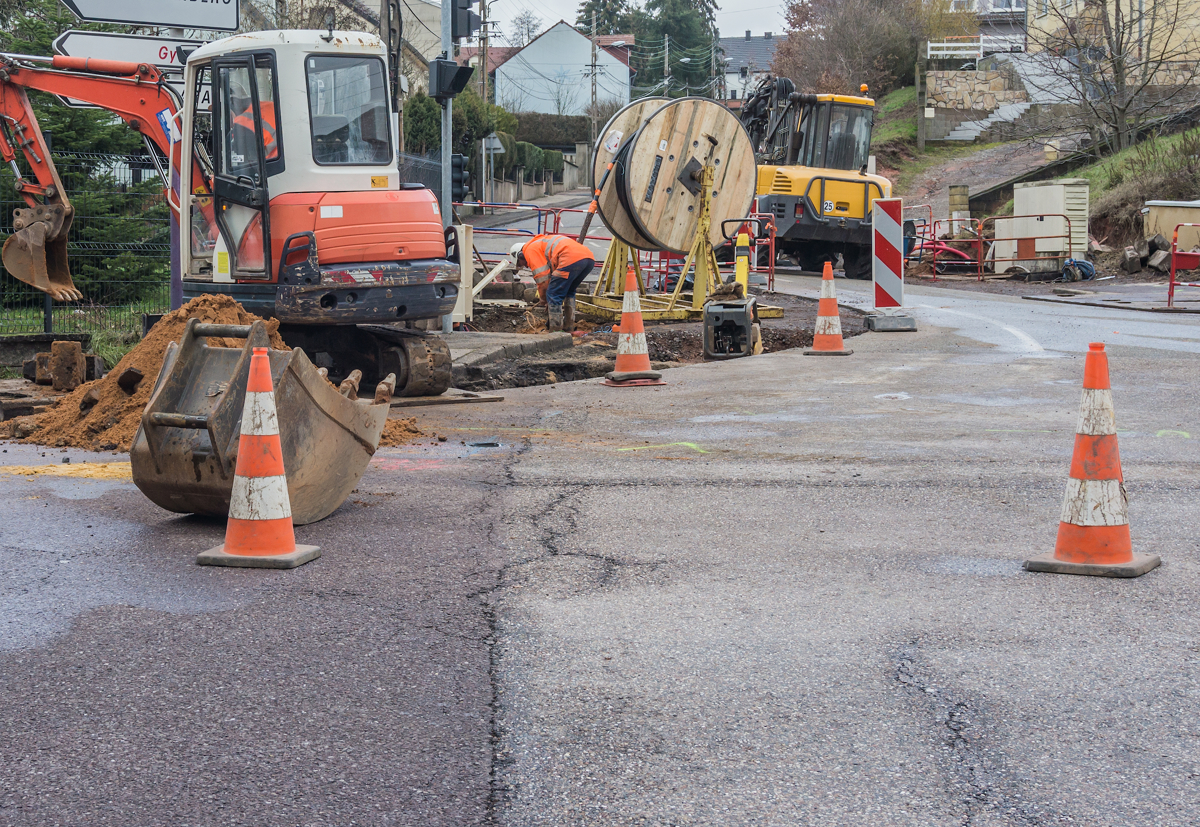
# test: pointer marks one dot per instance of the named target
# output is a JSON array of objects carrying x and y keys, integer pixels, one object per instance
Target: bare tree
[
  {"x": 565, "y": 94},
  {"x": 1118, "y": 63},
  {"x": 524, "y": 28},
  {"x": 835, "y": 45}
]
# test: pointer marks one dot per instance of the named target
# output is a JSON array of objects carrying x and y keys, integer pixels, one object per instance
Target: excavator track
[
  {"x": 420, "y": 361},
  {"x": 429, "y": 367}
]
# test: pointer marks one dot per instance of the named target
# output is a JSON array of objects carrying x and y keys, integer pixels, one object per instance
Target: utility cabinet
[{"x": 1036, "y": 238}]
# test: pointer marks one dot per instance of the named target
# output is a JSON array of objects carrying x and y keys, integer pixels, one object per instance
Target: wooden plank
[
  {"x": 451, "y": 397},
  {"x": 662, "y": 206},
  {"x": 620, "y": 131}
]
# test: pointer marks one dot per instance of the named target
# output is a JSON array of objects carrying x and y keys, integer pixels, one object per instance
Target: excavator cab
[
  {"x": 813, "y": 154},
  {"x": 300, "y": 213}
]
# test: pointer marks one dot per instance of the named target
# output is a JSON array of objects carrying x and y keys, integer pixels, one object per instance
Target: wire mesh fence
[
  {"x": 119, "y": 248},
  {"x": 415, "y": 169}
]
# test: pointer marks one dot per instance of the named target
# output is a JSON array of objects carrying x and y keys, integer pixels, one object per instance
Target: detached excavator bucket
[
  {"x": 36, "y": 252},
  {"x": 185, "y": 451}
]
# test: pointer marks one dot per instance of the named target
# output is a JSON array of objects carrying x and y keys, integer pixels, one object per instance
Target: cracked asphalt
[{"x": 786, "y": 591}]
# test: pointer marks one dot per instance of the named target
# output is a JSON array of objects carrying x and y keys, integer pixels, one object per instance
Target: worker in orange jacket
[
  {"x": 245, "y": 135},
  {"x": 559, "y": 264}
]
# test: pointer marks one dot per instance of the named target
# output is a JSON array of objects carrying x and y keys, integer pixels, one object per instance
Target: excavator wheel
[{"x": 429, "y": 366}]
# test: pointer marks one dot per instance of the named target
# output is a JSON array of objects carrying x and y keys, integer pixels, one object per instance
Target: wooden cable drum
[
  {"x": 617, "y": 134},
  {"x": 653, "y": 174}
]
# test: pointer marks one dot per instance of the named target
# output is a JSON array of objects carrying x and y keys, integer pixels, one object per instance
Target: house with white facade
[
  {"x": 1002, "y": 28},
  {"x": 552, "y": 73}
]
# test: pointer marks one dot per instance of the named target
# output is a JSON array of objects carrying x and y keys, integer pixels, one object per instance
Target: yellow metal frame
[{"x": 608, "y": 297}]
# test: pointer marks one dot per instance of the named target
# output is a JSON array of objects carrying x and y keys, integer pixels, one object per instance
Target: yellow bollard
[{"x": 741, "y": 262}]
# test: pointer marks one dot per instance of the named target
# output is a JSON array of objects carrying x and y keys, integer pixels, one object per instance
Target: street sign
[
  {"x": 166, "y": 53},
  {"x": 207, "y": 15},
  {"x": 492, "y": 144}
]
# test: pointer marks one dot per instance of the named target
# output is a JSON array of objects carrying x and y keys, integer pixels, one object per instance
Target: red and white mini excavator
[{"x": 291, "y": 203}]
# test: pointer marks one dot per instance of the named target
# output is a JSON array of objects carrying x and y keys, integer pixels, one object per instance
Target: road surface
[{"x": 778, "y": 591}]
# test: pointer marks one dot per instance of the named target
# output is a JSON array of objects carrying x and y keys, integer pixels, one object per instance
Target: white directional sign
[
  {"x": 166, "y": 53},
  {"x": 209, "y": 15}
]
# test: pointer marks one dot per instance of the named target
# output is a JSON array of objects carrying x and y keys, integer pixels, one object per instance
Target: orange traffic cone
[
  {"x": 827, "y": 338},
  {"x": 1093, "y": 536},
  {"x": 633, "y": 357},
  {"x": 259, "y": 532}
]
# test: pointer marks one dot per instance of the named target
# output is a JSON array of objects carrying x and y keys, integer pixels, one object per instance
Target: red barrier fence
[{"x": 1181, "y": 261}]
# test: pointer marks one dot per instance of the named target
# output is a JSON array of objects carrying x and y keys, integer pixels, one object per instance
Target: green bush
[{"x": 551, "y": 130}]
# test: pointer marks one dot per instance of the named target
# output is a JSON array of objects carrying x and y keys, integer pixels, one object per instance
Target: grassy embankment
[{"x": 894, "y": 141}]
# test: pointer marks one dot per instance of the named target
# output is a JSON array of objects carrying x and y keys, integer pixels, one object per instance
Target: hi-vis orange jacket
[
  {"x": 549, "y": 255},
  {"x": 267, "y": 110}
]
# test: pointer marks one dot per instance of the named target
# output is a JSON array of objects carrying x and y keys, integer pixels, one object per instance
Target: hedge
[{"x": 552, "y": 130}]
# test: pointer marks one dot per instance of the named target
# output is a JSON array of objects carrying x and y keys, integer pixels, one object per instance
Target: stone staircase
[{"x": 970, "y": 130}]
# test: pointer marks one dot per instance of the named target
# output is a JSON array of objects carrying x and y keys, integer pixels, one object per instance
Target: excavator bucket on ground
[
  {"x": 185, "y": 451},
  {"x": 36, "y": 252}
]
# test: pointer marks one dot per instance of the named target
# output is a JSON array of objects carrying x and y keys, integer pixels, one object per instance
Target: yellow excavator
[{"x": 813, "y": 153}]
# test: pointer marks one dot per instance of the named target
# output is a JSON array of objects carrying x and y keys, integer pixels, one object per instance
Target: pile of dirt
[
  {"x": 112, "y": 422},
  {"x": 399, "y": 432}
]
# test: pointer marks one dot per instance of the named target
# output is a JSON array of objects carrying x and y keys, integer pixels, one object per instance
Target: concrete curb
[{"x": 529, "y": 346}]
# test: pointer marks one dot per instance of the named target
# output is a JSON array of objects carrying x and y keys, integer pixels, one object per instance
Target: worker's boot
[
  {"x": 554, "y": 313},
  {"x": 569, "y": 315}
]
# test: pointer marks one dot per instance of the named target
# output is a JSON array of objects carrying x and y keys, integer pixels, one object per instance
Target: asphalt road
[
  {"x": 137, "y": 688},
  {"x": 780, "y": 591}
]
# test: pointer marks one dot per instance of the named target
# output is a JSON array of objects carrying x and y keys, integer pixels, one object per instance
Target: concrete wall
[{"x": 550, "y": 75}]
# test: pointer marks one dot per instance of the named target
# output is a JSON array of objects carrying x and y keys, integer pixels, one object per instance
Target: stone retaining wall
[{"x": 971, "y": 90}]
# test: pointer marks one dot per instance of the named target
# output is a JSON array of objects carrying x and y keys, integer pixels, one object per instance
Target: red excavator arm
[{"x": 36, "y": 252}]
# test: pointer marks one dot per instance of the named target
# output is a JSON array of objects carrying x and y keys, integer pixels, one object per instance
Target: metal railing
[
  {"x": 973, "y": 46},
  {"x": 119, "y": 249}
]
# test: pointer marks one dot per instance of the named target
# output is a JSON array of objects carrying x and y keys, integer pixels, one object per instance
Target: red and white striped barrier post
[{"x": 887, "y": 266}]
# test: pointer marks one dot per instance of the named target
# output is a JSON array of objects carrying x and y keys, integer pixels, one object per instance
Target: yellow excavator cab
[{"x": 813, "y": 153}]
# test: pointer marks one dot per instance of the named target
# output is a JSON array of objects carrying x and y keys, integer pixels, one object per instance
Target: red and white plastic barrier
[{"x": 887, "y": 252}]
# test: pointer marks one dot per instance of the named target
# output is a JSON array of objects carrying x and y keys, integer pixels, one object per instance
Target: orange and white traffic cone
[
  {"x": 1093, "y": 535},
  {"x": 827, "y": 338},
  {"x": 633, "y": 356},
  {"x": 259, "y": 532}
]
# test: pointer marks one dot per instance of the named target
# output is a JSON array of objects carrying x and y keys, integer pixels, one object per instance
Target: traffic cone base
[
  {"x": 827, "y": 335},
  {"x": 259, "y": 531},
  {"x": 1093, "y": 530},
  {"x": 1139, "y": 565},
  {"x": 219, "y": 557},
  {"x": 632, "y": 369}
]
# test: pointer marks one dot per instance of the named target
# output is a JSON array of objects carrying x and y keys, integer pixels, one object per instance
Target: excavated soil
[
  {"x": 399, "y": 432},
  {"x": 669, "y": 344},
  {"x": 112, "y": 422}
]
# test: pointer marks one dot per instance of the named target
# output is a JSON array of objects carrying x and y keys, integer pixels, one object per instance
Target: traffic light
[
  {"x": 458, "y": 177},
  {"x": 447, "y": 79},
  {"x": 463, "y": 21}
]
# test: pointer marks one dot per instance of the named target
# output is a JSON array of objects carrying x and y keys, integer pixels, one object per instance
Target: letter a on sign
[{"x": 887, "y": 252}]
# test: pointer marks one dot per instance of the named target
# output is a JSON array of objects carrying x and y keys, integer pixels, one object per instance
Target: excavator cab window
[
  {"x": 347, "y": 103},
  {"x": 849, "y": 137},
  {"x": 248, "y": 149},
  {"x": 203, "y": 223}
]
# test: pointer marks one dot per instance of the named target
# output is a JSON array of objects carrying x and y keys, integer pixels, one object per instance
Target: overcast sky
[{"x": 734, "y": 17}]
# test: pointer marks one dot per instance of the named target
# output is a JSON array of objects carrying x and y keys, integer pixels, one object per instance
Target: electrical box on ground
[{"x": 1048, "y": 226}]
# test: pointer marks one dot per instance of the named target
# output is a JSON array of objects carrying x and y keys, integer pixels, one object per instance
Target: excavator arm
[{"x": 36, "y": 252}]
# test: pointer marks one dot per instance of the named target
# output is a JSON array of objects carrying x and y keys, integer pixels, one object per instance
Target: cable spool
[
  {"x": 615, "y": 137},
  {"x": 652, "y": 199}
]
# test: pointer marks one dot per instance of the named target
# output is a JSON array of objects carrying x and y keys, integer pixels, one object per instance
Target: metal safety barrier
[
  {"x": 1181, "y": 261},
  {"x": 1026, "y": 245}
]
